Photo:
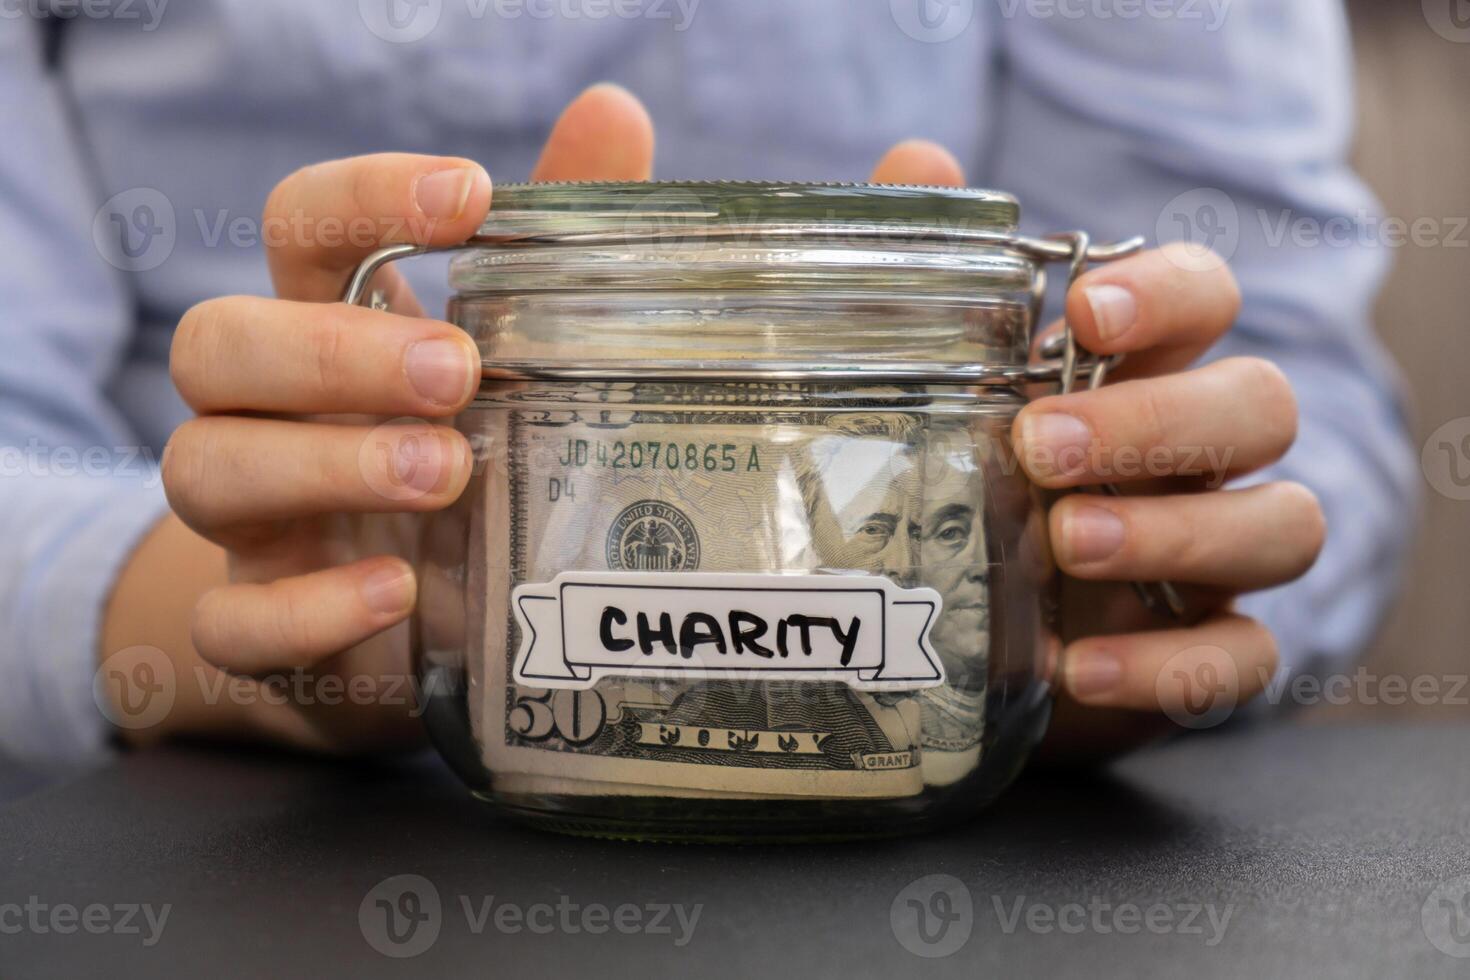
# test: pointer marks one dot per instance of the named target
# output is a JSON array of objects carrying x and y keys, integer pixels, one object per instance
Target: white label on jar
[{"x": 858, "y": 629}]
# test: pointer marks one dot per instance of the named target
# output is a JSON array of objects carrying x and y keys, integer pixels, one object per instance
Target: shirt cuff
[{"x": 48, "y": 712}]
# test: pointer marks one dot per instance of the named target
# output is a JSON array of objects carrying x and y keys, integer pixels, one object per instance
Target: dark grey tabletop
[{"x": 1276, "y": 851}]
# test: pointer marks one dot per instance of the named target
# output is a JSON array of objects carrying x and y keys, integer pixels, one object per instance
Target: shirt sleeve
[
  {"x": 1228, "y": 123},
  {"x": 77, "y": 491}
]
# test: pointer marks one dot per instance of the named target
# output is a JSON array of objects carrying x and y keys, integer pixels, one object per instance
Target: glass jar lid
[
  {"x": 756, "y": 279},
  {"x": 743, "y": 280},
  {"x": 686, "y": 208}
]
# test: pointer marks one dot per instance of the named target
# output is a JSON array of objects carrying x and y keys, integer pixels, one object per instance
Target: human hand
[
  {"x": 1169, "y": 434},
  {"x": 288, "y": 466}
]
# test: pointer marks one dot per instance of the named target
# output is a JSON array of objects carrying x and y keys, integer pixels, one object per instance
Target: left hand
[{"x": 1169, "y": 434}]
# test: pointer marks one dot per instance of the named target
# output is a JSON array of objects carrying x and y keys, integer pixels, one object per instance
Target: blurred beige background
[{"x": 1414, "y": 149}]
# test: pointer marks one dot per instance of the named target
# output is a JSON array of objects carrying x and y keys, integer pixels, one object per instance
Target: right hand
[{"x": 287, "y": 466}]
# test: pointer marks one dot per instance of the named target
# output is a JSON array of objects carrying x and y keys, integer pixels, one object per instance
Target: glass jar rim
[{"x": 612, "y": 208}]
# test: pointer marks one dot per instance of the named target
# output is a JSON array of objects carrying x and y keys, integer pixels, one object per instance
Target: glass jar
[{"x": 746, "y": 553}]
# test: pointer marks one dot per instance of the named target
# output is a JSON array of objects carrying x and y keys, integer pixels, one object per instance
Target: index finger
[
  {"x": 1163, "y": 309},
  {"x": 323, "y": 220}
]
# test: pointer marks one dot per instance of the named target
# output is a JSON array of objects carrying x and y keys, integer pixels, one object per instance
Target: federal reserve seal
[{"x": 651, "y": 536}]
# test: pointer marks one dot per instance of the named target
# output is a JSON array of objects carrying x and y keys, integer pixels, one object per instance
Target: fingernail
[
  {"x": 1092, "y": 673},
  {"x": 389, "y": 589},
  {"x": 1091, "y": 534},
  {"x": 1055, "y": 444},
  {"x": 441, "y": 371},
  {"x": 422, "y": 463},
  {"x": 443, "y": 194},
  {"x": 1114, "y": 309}
]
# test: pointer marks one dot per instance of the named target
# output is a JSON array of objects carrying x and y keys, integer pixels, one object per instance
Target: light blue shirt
[{"x": 1217, "y": 120}]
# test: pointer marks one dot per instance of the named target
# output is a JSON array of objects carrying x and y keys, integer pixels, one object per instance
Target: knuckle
[
  {"x": 207, "y": 630},
  {"x": 1258, "y": 645},
  {"x": 183, "y": 466},
  {"x": 294, "y": 622},
  {"x": 329, "y": 357},
  {"x": 1181, "y": 545},
  {"x": 1264, "y": 386},
  {"x": 1154, "y": 413},
  {"x": 1230, "y": 286},
  {"x": 1270, "y": 383},
  {"x": 279, "y": 202},
  {"x": 196, "y": 346},
  {"x": 365, "y": 186},
  {"x": 1307, "y": 520}
]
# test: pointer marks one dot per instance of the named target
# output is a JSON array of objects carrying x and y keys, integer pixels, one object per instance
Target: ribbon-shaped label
[{"x": 861, "y": 630}]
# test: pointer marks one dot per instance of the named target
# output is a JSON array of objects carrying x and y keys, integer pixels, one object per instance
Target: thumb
[{"x": 605, "y": 134}]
